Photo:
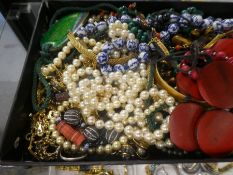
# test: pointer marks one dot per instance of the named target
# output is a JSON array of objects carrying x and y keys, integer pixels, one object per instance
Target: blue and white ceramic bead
[
  {"x": 118, "y": 43},
  {"x": 105, "y": 69},
  {"x": 81, "y": 32},
  {"x": 217, "y": 26},
  {"x": 125, "y": 18},
  {"x": 186, "y": 16},
  {"x": 173, "y": 28},
  {"x": 107, "y": 48},
  {"x": 101, "y": 26},
  {"x": 206, "y": 23},
  {"x": 90, "y": 28},
  {"x": 174, "y": 18},
  {"x": 143, "y": 47},
  {"x": 143, "y": 57},
  {"x": 164, "y": 35},
  {"x": 133, "y": 63},
  {"x": 137, "y": 19},
  {"x": 197, "y": 20},
  {"x": 227, "y": 24},
  {"x": 112, "y": 19},
  {"x": 185, "y": 19},
  {"x": 102, "y": 58},
  {"x": 132, "y": 44},
  {"x": 119, "y": 68}
]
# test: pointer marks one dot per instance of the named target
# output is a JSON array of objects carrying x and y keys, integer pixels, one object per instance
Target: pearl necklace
[{"x": 119, "y": 97}]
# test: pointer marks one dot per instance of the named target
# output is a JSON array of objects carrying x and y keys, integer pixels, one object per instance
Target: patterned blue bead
[
  {"x": 119, "y": 68},
  {"x": 125, "y": 18},
  {"x": 186, "y": 16},
  {"x": 105, "y": 69},
  {"x": 173, "y": 28},
  {"x": 197, "y": 20},
  {"x": 143, "y": 47},
  {"x": 101, "y": 26},
  {"x": 133, "y": 63},
  {"x": 81, "y": 32},
  {"x": 227, "y": 24},
  {"x": 174, "y": 18},
  {"x": 217, "y": 26},
  {"x": 112, "y": 19},
  {"x": 150, "y": 21},
  {"x": 90, "y": 28},
  {"x": 206, "y": 23},
  {"x": 164, "y": 35},
  {"x": 143, "y": 57},
  {"x": 86, "y": 146},
  {"x": 137, "y": 19},
  {"x": 118, "y": 43},
  {"x": 126, "y": 67},
  {"x": 132, "y": 44},
  {"x": 102, "y": 58},
  {"x": 107, "y": 48}
]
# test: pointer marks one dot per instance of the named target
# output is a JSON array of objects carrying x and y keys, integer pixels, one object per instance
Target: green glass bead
[
  {"x": 131, "y": 24},
  {"x": 143, "y": 38},
  {"x": 191, "y": 9},
  {"x": 134, "y": 30},
  {"x": 139, "y": 35},
  {"x": 56, "y": 34},
  {"x": 184, "y": 11}
]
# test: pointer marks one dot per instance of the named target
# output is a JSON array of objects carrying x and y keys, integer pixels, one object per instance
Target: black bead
[
  {"x": 73, "y": 117},
  {"x": 91, "y": 133},
  {"x": 111, "y": 136}
]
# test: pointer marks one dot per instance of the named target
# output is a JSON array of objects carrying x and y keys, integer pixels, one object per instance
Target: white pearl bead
[
  {"x": 71, "y": 86},
  {"x": 99, "y": 124},
  {"x": 128, "y": 93},
  {"x": 99, "y": 88},
  {"x": 98, "y": 80},
  {"x": 163, "y": 94},
  {"x": 118, "y": 32},
  {"x": 124, "y": 114},
  {"x": 81, "y": 72},
  {"x": 116, "y": 145},
  {"x": 131, "y": 120},
  {"x": 91, "y": 20},
  {"x": 66, "y": 49},
  {"x": 124, "y": 34},
  {"x": 123, "y": 99},
  {"x": 86, "y": 40},
  {"x": 118, "y": 23},
  {"x": 96, "y": 49},
  {"x": 171, "y": 109},
  {"x": 142, "y": 66},
  {"x": 116, "y": 117},
  {"x": 108, "y": 149},
  {"x": 164, "y": 128},
  {"x": 100, "y": 106},
  {"x": 92, "y": 42},
  {"x": 125, "y": 26},
  {"x": 71, "y": 68},
  {"x": 108, "y": 87},
  {"x": 99, "y": 44},
  {"x": 158, "y": 134},
  {"x": 170, "y": 101},
  {"x": 76, "y": 99},
  {"x": 45, "y": 71},
  {"x": 60, "y": 140},
  {"x": 152, "y": 108},
  {"x": 51, "y": 68},
  {"x": 149, "y": 137},
  {"x": 123, "y": 86},
  {"x": 57, "y": 62},
  {"x": 88, "y": 70},
  {"x": 116, "y": 104},
  {"x": 131, "y": 36},
  {"x": 76, "y": 62},
  {"x": 112, "y": 33},
  {"x": 56, "y": 114},
  {"x": 73, "y": 147},
  {"x": 82, "y": 58},
  {"x": 128, "y": 130},
  {"x": 109, "y": 125},
  {"x": 66, "y": 145},
  {"x": 143, "y": 73},
  {"x": 137, "y": 134},
  {"x": 55, "y": 134},
  {"x": 117, "y": 75},
  {"x": 161, "y": 101},
  {"x": 61, "y": 55},
  {"x": 75, "y": 77},
  {"x": 109, "y": 107},
  {"x": 119, "y": 127},
  {"x": 60, "y": 108},
  {"x": 112, "y": 26},
  {"x": 141, "y": 123},
  {"x": 69, "y": 44},
  {"x": 65, "y": 103},
  {"x": 129, "y": 108},
  {"x": 156, "y": 104},
  {"x": 91, "y": 120},
  {"x": 144, "y": 95},
  {"x": 123, "y": 140},
  {"x": 147, "y": 112},
  {"x": 138, "y": 102},
  {"x": 86, "y": 111},
  {"x": 96, "y": 73},
  {"x": 153, "y": 92}
]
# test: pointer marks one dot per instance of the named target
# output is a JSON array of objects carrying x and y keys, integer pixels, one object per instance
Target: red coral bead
[
  {"x": 182, "y": 125},
  {"x": 214, "y": 132}
]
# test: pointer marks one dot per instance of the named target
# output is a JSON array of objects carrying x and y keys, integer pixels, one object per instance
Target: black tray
[{"x": 14, "y": 149}]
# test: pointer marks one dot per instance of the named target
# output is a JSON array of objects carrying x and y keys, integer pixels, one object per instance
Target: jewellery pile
[{"x": 107, "y": 90}]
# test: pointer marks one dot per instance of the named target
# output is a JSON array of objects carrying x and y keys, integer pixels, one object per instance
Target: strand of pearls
[{"x": 57, "y": 62}]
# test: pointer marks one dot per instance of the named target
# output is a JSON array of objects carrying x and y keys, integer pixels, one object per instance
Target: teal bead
[
  {"x": 139, "y": 35},
  {"x": 140, "y": 31},
  {"x": 145, "y": 33},
  {"x": 124, "y": 12},
  {"x": 131, "y": 24},
  {"x": 143, "y": 38},
  {"x": 191, "y": 9},
  {"x": 184, "y": 11}
]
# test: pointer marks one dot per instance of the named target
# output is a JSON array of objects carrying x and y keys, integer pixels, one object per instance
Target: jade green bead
[{"x": 134, "y": 30}]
